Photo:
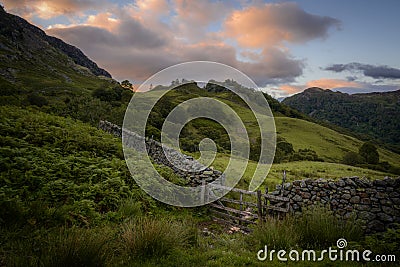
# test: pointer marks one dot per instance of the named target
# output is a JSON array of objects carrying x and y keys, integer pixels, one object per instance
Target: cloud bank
[
  {"x": 136, "y": 40},
  {"x": 373, "y": 71}
]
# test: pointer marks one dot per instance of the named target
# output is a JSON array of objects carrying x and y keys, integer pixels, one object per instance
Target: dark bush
[{"x": 37, "y": 100}]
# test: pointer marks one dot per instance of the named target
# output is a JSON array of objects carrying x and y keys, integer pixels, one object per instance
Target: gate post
[{"x": 259, "y": 207}]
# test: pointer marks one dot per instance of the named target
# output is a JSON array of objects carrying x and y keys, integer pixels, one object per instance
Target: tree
[
  {"x": 353, "y": 159},
  {"x": 286, "y": 147},
  {"x": 126, "y": 84},
  {"x": 369, "y": 153}
]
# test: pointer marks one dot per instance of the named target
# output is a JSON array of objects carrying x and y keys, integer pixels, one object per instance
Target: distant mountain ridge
[
  {"x": 375, "y": 114},
  {"x": 22, "y": 41}
]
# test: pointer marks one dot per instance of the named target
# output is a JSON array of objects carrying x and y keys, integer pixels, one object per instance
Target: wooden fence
[{"x": 242, "y": 208}]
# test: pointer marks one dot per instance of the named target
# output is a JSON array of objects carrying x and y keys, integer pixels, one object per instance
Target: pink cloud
[
  {"x": 191, "y": 19},
  {"x": 274, "y": 24},
  {"x": 103, "y": 20},
  {"x": 323, "y": 83},
  {"x": 47, "y": 9},
  {"x": 333, "y": 83}
]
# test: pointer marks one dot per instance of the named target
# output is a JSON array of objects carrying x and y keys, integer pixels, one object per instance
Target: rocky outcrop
[
  {"x": 376, "y": 203},
  {"x": 183, "y": 165},
  {"x": 77, "y": 56},
  {"x": 22, "y": 39}
]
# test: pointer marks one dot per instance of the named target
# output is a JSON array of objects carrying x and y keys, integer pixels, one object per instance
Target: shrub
[
  {"x": 108, "y": 94},
  {"x": 148, "y": 237},
  {"x": 353, "y": 159},
  {"x": 305, "y": 154},
  {"x": 318, "y": 227}
]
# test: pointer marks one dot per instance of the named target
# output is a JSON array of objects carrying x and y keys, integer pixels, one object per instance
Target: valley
[{"x": 67, "y": 197}]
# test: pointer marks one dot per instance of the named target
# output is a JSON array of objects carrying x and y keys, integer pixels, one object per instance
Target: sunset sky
[{"x": 284, "y": 47}]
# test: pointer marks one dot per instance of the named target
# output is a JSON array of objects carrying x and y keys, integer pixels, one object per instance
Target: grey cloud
[
  {"x": 382, "y": 72},
  {"x": 274, "y": 67},
  {"x": 376, "y": 72},
  {"x": 367, "y": 88},
  {"x": 84, "y": 36},
  {"x": 305, "y": 26},
  {"x": 129, "y": 33},
  {"x": 351, "y": 78},
  {"x": 125, "y": 57}
]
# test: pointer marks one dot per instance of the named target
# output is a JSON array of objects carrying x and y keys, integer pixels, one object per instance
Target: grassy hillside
[
  {"x": 67, "y": 199},
  {"x": 328, "y": 144}
]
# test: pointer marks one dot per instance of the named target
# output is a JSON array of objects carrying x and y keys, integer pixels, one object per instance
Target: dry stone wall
[
  {"x": 183, "y": 165},
  {"x": 376, "y": 203}
]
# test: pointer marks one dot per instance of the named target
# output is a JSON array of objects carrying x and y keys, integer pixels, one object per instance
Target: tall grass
[
  {"x": 318, "y": 227},
  {"x": 276, "y": 233},
  {"x": 77, "y": 247},
  {"x": 150, "y": 237},
  {"x": 63, "y": 247}
]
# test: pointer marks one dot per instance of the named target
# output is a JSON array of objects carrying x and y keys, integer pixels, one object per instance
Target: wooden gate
[{"x": 242, "y": 208}]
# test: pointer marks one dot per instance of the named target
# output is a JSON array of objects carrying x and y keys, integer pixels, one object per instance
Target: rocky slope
[{"x": 26, "y": 50}]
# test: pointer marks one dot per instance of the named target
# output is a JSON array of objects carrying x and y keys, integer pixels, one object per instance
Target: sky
[{"x": 285, "y": 47}]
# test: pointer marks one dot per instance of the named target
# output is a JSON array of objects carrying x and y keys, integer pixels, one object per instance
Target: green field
[{"x": 299, "y": 170}]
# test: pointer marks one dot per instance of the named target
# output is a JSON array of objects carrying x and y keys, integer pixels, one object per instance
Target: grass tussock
[
  {"x": 276, "y": 233},
  {"x": 77, "y": 247},
  {"x": 150, "y": 237},
  {"x": 318, "y": 227}
]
